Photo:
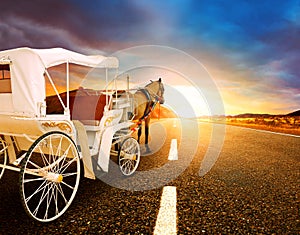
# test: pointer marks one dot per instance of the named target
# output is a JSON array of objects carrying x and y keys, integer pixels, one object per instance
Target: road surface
[{"x": 253, "y": 187}]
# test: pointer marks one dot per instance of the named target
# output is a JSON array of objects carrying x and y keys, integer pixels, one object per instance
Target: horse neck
[{"x": 152, "y": 88}]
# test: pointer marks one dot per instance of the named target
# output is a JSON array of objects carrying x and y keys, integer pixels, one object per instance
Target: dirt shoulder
[
  {"x": 281, "y": 125},
  {"x": 293, "y": 131}
]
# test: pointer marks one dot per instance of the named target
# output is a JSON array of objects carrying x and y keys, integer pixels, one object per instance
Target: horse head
[{"x": 156, "y": 89}]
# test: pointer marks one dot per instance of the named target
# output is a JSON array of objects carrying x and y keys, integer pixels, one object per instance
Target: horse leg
[
  {"x": 139, "y": 133},
  {"x": 147, "y": 121}
]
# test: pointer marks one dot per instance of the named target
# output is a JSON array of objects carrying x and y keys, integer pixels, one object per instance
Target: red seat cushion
[{"x": 85, "y": 104}]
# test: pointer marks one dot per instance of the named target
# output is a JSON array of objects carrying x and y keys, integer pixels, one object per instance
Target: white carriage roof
[
  {"x": 55, "y": 56},
  {"x": 27, "y": 67}
]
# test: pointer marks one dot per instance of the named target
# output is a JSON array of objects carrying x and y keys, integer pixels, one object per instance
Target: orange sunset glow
[
  {"x": 159, "y": 117},
  {"x": 251, "y": 53}
]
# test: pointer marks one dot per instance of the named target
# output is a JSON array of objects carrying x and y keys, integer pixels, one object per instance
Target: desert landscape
[
  {"x": 289, "y": 123},
  {"x": 285, "y": 123}
]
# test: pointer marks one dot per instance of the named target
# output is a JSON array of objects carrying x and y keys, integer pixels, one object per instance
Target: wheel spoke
[
  {"x": 69, "y": 174},
  {"x": 129, "y": 164},
  {"x": 67, "y": 185},
  {"x": 129, "y": 168},
  {"x": 60, "y": 190},
  {"x": 59, "y": 170},
  {"x": 59, "y": 146},
  {"x": 3, "y": 156},
  {"x": 51, "y": 149},
  {"x": 41, "y": 200},
  {"x": 43, "y": 157},
  {"x": 51, "y": 153},
  {"x": 58, "y": 150},
  {"x": 33, "y": 164},
  {"x": 49, "y": 198},
  {"x": 126, "y": 167},
  {"x": 65, "y": 167},
  {"x": 56, "y": 199},
  {"x": 41, "y": 187},
  {"x": 34, "y": 179}
]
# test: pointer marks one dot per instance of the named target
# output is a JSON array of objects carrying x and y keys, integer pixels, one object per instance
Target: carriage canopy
[{"x": 22, "y": 81}]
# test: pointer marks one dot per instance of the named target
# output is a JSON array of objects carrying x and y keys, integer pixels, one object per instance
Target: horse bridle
[{"x": 157, "y": 98}]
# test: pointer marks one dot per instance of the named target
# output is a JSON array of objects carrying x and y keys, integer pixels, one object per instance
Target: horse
[{"x": 145, "y": 100}]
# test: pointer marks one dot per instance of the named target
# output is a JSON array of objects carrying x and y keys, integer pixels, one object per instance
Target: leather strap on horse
[{"x": 149, "y": 106}]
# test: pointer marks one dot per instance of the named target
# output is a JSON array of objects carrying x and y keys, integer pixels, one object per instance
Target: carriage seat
[{"x": 86, "y": 105}]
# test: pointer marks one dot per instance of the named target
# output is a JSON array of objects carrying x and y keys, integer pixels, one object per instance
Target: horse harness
[{"x": 150, "y": 104}]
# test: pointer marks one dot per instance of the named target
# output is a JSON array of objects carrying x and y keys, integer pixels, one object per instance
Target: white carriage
[{"x": 46, "y": 137}]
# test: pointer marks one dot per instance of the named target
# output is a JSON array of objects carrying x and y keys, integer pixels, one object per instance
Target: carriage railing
[{"x": 66, "y": 108}]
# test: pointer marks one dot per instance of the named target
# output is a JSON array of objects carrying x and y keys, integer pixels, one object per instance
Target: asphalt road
[{"x": 253, "y": 187}]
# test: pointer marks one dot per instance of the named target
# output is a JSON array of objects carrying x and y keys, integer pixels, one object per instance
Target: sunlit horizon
[{"x": 179, "y": 94}]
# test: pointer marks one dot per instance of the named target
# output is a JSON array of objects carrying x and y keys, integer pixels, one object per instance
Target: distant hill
[
  {"x": 293, "y": 114},
  {"x": 256, "y": 115},
  {"x": 251, "y": 115}
]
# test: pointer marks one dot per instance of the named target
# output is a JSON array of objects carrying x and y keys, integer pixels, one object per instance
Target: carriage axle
[{"x": 53, "y": 177}]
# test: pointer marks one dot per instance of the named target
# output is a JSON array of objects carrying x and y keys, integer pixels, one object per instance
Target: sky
[{"x": 251, "y": 49}]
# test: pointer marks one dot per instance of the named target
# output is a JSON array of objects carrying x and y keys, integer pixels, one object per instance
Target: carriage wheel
[
  {"x": 49, "y": 176},
  {"x": 3, "y": 156},
  {"x": 129, "y": 156}
]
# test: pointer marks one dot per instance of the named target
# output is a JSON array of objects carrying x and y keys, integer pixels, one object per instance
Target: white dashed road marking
[
  {"x": 173, "y": 154},
  {"x": 166, "y": 222}
]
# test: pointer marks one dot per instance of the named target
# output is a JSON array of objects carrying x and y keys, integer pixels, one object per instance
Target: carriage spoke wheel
[
  {"x": 49, "y": 176},
  {"x": 3, "y": 156},
  {"x": 129, "y": 156}
]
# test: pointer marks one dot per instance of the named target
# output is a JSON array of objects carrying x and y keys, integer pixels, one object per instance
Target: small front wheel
[
  {"x": 50, "y": 175},
  {"x": 129, "y": 156}
]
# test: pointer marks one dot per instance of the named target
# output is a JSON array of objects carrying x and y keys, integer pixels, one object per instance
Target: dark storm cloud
[
  {"x": 253, "y": 43},
  {"x": 37, "y": 24},
  {"x": 95, "y": 24}
]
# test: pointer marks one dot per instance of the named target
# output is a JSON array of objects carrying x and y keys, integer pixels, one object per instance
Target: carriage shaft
[{"x": 13, "y": 168}]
